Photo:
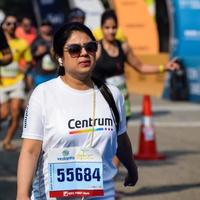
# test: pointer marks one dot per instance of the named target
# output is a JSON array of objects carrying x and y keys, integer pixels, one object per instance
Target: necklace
[{"x": 93, "y": 115}]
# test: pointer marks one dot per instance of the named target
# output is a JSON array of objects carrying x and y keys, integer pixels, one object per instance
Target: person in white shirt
[{"x": 69, "y": 134}]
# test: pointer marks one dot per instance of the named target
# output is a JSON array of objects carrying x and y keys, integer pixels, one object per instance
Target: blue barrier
[{"x": 185, "y": 42}]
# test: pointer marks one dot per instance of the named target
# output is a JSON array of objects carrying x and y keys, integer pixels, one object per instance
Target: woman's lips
[{"x": 85, "y": 63}]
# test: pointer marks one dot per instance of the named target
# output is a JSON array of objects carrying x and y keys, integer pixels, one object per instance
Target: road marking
[
  {"x": 9, "y": 178},
  {"x": 177, "y": 108},
  {"x": 194, "y": 124}
]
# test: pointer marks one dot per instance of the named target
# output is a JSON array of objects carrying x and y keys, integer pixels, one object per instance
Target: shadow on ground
[
  {"x": 160, "y": 189},
  {"x": 170, "y": 158}
]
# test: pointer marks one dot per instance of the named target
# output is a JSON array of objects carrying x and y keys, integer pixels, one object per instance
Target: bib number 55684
[{"x": 78, "y": 174}]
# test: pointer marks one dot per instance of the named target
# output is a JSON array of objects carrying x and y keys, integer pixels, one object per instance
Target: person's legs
[
  {"x": 4, "y": 106},
  {"x": 15, "y": 107},
  {"x": 4, "y": 110}
]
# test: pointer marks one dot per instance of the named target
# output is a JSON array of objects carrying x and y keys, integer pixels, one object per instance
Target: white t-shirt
[{"x": 55, "y": 110}]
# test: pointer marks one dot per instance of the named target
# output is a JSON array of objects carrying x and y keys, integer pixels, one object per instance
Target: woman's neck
[
  {"x": 78, "y": 84},
  {"x": 108, "y": 43},
  {"x": 9, "y": 36},
  {"x": 110, "y": 47}
]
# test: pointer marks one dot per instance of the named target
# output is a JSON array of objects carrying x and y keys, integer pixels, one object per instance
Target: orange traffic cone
[{"x": 147, "y": 146}]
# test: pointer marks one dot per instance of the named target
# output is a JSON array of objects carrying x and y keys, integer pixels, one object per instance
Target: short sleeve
[
  {"x": 120, "y": 103},
  {"x": 33, "y": 124}
]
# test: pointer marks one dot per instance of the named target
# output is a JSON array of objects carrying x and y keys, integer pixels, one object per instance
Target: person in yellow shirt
[
  {"x": 12, "y": 80},
  {"x": 98, "y": 34}
]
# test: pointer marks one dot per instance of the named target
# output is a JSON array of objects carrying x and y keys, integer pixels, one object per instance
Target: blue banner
[
  {"x": 51, "y": 10},
  {"x": 185, "y": 41}
]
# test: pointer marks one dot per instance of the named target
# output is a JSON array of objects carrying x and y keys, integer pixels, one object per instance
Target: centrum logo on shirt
[{"x": 86, "y": 125}]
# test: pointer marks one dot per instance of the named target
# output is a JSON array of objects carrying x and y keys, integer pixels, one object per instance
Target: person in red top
[{"x": 26, "y": 30}]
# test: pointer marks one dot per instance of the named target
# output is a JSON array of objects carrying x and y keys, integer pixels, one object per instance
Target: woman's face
[
  {"x": 81, "y": 64},
  {"x": 10, "y": 24},
  {"x": 109, "y": 29}
]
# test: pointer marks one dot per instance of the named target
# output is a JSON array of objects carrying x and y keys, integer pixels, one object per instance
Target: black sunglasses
[{"x": 75, "y": 49}]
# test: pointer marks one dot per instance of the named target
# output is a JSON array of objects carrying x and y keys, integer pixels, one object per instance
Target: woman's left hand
[
  {"x": 130, "y": 180},
  {"x": 172, "y": 65}
]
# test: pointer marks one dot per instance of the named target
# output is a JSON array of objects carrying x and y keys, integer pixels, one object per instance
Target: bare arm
[
  {"x": 26, "y": 167},
  {"x": 125, "y": 155},
  {"x": 6, "y": 57},
  {"x": 98, "y": 53},
  {"x": 135, "y": 63}
]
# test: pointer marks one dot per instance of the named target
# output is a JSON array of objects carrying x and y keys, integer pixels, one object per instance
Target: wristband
[{"x": 161, "y": 68}]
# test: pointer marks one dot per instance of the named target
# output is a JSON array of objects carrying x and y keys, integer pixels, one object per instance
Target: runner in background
[
  {"x": 5, "y": 53},
  {"x": 26, "y": 30},
  {"x": 98, "y": 34},
  {"x": 112, "y": 55},
  {"x": 5, "y": 56},
  {"x": 69, "y": 114},
  {"x": 12, "y": 80},
  {"x": 43, "y": 67},
  {"x": 76, "y": 15}
]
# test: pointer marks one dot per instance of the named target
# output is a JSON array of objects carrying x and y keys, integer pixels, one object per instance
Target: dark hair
[
  {"x": 46, "y": 23},
  {"x": 6, "y": 17},
  {"x": 63, "y": 34},
  {"x": 109, "y": 14},
  {"x": 74, "y": 13}
]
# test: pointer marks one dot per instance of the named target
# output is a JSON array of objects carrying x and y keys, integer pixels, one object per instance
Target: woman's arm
[
  {"x": 6, "y": 57},
  {"x": 135, "y": 63},
  {"x": 125, "y": 155},
  {"x": 26, "y": 167}
]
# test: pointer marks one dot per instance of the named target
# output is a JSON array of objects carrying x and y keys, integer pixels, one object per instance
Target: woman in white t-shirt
[{"x": 69, "y": 134}]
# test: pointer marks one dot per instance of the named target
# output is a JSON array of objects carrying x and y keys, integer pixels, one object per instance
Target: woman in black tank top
[
  {"x": 113, "y": 66},
  {"x": 112, "y": 55}
]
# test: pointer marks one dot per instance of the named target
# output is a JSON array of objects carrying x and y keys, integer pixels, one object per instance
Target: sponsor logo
[
  {"x": 84, "y": 154},
  {"x": 25, "y": 117},
  {"x": 66, "y": 156},
  {"x": 65, "y": 153}
]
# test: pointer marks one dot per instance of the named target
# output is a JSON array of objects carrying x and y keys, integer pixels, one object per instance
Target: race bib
[
  {"x": 11, "y": 70},
  {"x": 75, "y": 172}
]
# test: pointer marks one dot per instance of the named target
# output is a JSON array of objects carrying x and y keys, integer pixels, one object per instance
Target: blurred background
[{"x": 155, "y": 29}]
